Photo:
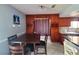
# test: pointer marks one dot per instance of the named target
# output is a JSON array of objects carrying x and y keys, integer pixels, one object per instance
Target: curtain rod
[{"x": 40, "y": 18}]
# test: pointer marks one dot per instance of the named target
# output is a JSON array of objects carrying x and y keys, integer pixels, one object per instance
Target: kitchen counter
[
  {"x": 69, "y": 31},
  {"x": 70, "y": 34},
  {"x": 72, "y": 37},
  {"x": 70, "y": 40}
]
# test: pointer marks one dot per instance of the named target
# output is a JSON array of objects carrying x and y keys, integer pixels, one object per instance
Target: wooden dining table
[{"x": 29, "y": 39}]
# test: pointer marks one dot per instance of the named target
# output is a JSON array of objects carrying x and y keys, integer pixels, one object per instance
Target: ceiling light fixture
[
  {"x": 43, "y": 6},
  {"x": 53, "y": 6}
]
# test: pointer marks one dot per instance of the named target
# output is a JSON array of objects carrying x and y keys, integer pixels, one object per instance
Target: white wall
[{"x": 6, "y": 29}]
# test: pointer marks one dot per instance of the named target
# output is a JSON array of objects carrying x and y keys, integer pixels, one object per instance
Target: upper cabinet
[
  {"x": 54, "y": 23},
  {"x": 64, "y": 22},
  {"x": 29, "y": 19},
  {"x": 54, "y": 18},
  {"x": 29, "y": 24}
]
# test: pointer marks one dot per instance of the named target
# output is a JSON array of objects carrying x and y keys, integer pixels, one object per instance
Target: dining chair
[
  {"x": 15, "y": 47},
  {"x": 42, "y": 44}
]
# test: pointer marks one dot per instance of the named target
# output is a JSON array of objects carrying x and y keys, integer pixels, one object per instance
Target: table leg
[{"x": 34, "y": 49}]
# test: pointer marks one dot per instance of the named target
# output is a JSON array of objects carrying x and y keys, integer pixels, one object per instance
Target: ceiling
[{"x": 37, "y": 9}]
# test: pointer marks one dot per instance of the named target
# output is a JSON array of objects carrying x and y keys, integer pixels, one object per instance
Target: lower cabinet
[
  {"x": 61, "y": 39},
  {"x": 55, "y": 34}
]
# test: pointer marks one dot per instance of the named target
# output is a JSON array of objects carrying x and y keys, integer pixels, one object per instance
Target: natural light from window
[{"x": 74, "y": 24}]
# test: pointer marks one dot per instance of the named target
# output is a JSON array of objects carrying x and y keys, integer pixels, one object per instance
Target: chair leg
[
  {"x": 36, "y": 50},
  {"x": 41, "y": 53},
  {"x": 45, "y": 50}
]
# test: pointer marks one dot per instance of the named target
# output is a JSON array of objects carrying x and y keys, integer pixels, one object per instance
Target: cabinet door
[
  {"x": 29, "y": 29},
  {"x": 29, "y": 19},
  {"x": 29, "y": 24},
  {"x": 64, "y": 22},
  {"x": 54, "y": 34},
  {"x": 61, "y": 39},
  {"x": 54, "y": 19}
]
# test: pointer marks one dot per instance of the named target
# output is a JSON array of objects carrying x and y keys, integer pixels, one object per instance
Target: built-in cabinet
[
  {"x": 54, "y": 21},
  {"x": 64, "y": 21},
  {"x": 29, "y": 24},
  {"x": 54, "y": 28}
]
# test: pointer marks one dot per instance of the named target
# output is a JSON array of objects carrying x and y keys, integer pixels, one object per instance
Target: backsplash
[
  {"x": 63, "y": 29},
  {"x": 68, "y": 29}
]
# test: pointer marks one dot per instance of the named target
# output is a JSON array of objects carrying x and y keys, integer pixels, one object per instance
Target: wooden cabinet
[
  {"x": 54, "y": 28},
  {"x": 64, "y": 22},
  {"x": 29, "y": 29},
  {"x": 61, "y": 38},
  {"x": 55, "y": 34},
  {"x": 54, "y": 18},
  {"x": 55, "y": 22},
  {"x": 29, "y": 24}
]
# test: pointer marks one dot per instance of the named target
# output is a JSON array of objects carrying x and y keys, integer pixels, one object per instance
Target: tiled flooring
[{"x": 54, "y": 48}]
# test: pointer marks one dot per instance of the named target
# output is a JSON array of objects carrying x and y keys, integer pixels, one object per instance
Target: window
[
  {"x": 75, "y": 24},
  {"x": 41, "y": 26}
]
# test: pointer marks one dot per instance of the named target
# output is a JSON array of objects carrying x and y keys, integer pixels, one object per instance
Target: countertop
[
  {"x": 70, "y": 33},
  {"x": 67, "y": 36}
]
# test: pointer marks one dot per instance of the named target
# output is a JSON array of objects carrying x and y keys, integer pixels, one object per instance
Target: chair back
[
  {"x": 44, "y": 38},
  {"x": 11, "y": 38},
  {"x": 15, "y": 47}
]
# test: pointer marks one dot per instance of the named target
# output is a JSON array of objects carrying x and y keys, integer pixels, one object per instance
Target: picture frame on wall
[{"x": 16, "y": 19}]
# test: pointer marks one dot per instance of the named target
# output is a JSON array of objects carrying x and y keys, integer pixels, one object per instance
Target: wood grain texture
[
  {"x": 54, "y": 21},
  {"x": 64, "y": 21}
]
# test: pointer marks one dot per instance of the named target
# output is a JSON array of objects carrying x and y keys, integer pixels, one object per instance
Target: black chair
[
  {"x": 42, "y": 44},
  {"x": 15, "y": 47},
  {"x": 11, "y": 38}
]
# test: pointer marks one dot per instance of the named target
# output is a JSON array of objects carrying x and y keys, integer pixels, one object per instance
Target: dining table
[{"x": 29, "y": 39}]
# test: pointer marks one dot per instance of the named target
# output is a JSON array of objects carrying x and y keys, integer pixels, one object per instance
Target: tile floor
[{"x": 54, "y": 48}]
